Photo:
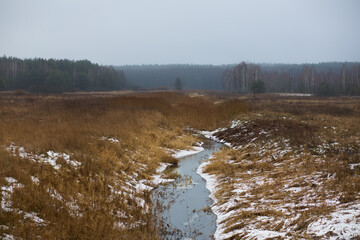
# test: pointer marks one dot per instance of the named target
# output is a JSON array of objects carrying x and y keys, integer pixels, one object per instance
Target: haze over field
[{"x": 165, "y": 32}]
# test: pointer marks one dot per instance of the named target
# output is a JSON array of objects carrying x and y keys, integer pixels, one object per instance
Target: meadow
[
  {"x": 292, "y": 170},
  {"x": 72, "y": 165}
]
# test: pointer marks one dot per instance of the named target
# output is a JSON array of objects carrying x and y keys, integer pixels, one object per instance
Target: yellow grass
[{"x": 145, "y": 125}]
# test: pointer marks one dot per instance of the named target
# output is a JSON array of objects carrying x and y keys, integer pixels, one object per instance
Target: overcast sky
[{"x": 119, "y": 32}]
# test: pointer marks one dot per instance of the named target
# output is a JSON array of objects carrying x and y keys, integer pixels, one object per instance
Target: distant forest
[
  {"x": 323, "y": 78},
  {"x": 40, "y": 75}
]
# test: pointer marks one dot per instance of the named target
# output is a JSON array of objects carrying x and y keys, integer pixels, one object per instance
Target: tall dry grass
[{"x": 144, "y": 124}]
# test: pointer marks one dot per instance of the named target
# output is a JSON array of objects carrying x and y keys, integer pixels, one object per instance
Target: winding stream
[{"x": 186, "y": 213}]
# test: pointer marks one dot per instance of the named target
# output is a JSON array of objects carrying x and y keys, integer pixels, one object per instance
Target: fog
[{"x": 186, "y": 31}]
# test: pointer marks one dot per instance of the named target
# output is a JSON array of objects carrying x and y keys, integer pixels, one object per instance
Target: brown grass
[
  {"x": 145, "y": 125},
  {"x": 319, "y": 138}
]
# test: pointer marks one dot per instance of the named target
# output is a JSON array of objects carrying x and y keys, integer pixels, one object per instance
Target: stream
[{"x": 186, "y": 212}]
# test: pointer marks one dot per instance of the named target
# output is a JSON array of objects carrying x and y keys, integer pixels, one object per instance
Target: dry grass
[
  {"x": 291, "y": 157},
  {"x": 90, "y": 201}
]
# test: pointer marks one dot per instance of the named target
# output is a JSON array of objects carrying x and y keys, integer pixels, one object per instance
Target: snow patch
[
  {"x": 50, "y": 157},
  {"x": 184, "y": 153},
  {"x": 110, "y": 139},
  {"x": 7, "y": 191},
  {"x": 343, "y": 223}
]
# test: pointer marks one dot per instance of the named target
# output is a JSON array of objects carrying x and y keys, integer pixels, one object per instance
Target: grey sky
[{"x": 182, "y": 31}]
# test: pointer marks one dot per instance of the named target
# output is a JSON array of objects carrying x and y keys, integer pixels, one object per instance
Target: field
[
  {"x": 292, "y": 171},
  {"x": 74, "y": 166},
  {"x": 80, "y": 166}
]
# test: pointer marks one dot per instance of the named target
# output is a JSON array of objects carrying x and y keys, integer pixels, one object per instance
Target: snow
[
  {"x": 343, "y": 223},
  {"x": 50, "y": 157},
  {"x": 6, "y": 202},
  {"x": 157, "y": 179},
  {"x": 184, "y": 153},
  {"x": 73, "y": 207},
  {"x": 235, "y": 123},
  {"x": 53, "y": 156},
  {"x": 147, "y": 185},
  {"x": 162, "y": 167},
  {"x": 354, "y": 165},
  {"x": 8, "y": 237},
  {"x": 143, "y": 185},
  {"x": 264, "y": 234},
  {"x": 7, "y": 191},
  {"x": 33, "y": 216},
  {"x": 110, "y": 139},
  {"x": 35, "y": 180},
  {"x": 10, "y": 180},
  {"x": 211, "y": 184}
]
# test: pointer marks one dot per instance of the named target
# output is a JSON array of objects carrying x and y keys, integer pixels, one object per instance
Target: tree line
[
  {"x": 41, "y": 75},
  {"x": 320, "y": 79}
]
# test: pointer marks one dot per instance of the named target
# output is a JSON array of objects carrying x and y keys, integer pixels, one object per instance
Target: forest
[
  {"x": 51, "y": 75},
  {"x": 328, "y": 78},
  {"x": 320, "y": 79},
  {"x": 41, "y": 75}
]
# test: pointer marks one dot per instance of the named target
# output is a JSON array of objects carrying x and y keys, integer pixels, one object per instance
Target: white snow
[
  {"x": 33, "y": 216},
  {"x": 235, "y": 123},
  {"x": 53, "y": 156},
  {"x": 6, "y": 203},
  {"x": 354, "y": 165},
  {"x": 7, "y": 191},
  {"x": 50, "y": 157},
  {"x": 211, "y": 184},
  {"x": 73, "y": 207},
  {"x": 8, "y": 237},
  {"x": 344, "y": 223},
  {"x": 110, "y": 139},
  {"x": 264, "y": 234},
  {"x": 184, "y": 153},
  {"x": 35, "y": 180},
  {"x": 147, "y": 185}
]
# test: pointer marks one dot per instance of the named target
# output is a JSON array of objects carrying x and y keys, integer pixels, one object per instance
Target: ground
[
  {"x": 292, "y": 171},
  {"x": 80, "y": 166}
]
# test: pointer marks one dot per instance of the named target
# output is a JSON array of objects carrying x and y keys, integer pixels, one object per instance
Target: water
[{"x": 187, "y": 213}]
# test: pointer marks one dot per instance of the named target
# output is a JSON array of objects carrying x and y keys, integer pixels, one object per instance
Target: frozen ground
[{"x": 255, "y": 204}]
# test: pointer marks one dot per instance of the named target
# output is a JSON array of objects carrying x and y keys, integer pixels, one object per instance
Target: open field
[
  {"x": 75, "y": 166},
  {"x": 80, "y": 166}
]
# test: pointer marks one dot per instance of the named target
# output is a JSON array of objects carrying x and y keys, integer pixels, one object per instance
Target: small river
[{"x": 186, "y": 212}]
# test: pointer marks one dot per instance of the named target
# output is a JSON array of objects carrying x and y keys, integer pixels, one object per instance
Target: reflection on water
[{"x": 185, "y": 203}]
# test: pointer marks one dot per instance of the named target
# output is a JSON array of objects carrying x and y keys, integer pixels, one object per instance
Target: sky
[{"x": 125, "y": 32}]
